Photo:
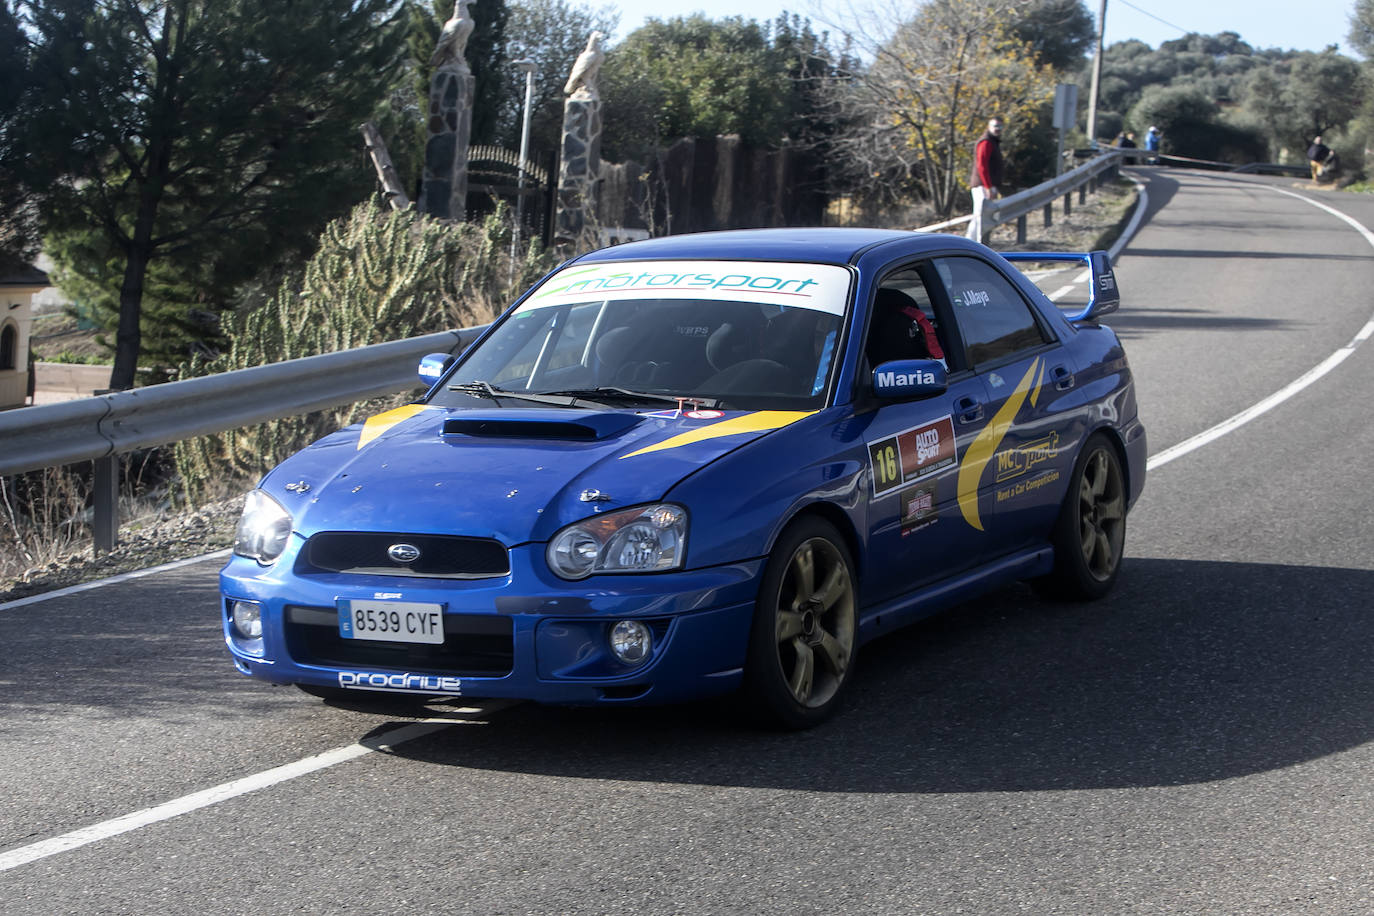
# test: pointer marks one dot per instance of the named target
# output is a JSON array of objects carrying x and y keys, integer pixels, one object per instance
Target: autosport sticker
[
  {"x": 375, "y": 426},
  {"x": 981, "y": 450},
  {"x": 401, "y": 683},
  {"x": 823, "y": 287},
  {"x": 760, "y": 421},
  {"x": 911, "y": 455}
]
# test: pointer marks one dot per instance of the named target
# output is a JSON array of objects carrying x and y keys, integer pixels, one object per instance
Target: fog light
[
  {"x": 631, "y": 641},
  {"x": 247, "y": 618}
]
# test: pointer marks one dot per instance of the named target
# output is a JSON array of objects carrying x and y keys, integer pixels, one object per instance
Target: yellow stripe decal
[
  {"x": 985, "y": 446},
  {"x": 375, "y": 426},
  {"x": 749, "y": 423}
]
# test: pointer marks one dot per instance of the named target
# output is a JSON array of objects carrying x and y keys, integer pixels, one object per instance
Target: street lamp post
[{"x": 527, "y": 66}]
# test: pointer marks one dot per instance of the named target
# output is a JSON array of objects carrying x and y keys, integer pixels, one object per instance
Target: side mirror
[
  {"x": 910, "y": 379},
  {"x": 433, "y": 367}
]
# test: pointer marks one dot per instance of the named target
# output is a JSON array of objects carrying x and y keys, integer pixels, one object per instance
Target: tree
[
  {"x": 915, "y": 113},
  {"x": 694, "y": 76},
  {"x": 1362, "y": 28},
  {"x": 1060, "y": 33},
  {"x": 198, "y": 137},
  {"x": 1303, "y": 97},
  {"x": 18, "y": 222}
]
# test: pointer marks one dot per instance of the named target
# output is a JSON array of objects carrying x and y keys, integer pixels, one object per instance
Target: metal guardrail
[
  {"x": 92, "y": 428},
  {"x": 1018, "y": 206}
]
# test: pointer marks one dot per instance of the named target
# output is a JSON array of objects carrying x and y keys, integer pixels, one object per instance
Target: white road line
[
  {"x": 112, "y": 580},
  {"x": 196, "y": 800},
  {"x": 1061, "y": 292},
  {"x": 1142, "y": 203},
  {"x": 1283, "y": 394}
]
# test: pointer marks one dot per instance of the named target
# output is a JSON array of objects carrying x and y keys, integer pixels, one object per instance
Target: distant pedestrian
[
  {"x": 986, "y": 177},
  {"x": 1317, "y": 154},
  {"x": 1152, "y": 138},
  {"x": 1126, "y": 140}
]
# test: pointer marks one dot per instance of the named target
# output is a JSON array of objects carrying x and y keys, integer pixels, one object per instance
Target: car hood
[{"x": 513, "y": 474}]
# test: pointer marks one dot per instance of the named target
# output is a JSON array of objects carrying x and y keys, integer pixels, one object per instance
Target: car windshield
[{"x": 741, "y": 334}]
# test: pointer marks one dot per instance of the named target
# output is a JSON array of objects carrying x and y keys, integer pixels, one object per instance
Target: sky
[{"x": 1262, "y": 23}]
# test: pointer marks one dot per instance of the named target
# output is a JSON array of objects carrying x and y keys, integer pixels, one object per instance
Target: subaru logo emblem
[{"x": 403, "y": 553}]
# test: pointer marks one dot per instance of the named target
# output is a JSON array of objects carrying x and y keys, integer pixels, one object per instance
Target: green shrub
[{"x": 378, "y": 275}]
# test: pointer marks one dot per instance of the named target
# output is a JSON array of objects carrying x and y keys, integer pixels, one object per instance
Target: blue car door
[
  {"x": 1014, "y": 474},
  {"x": 915, "y": 535}
]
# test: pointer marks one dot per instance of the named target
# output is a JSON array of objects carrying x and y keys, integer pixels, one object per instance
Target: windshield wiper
[
  {"x": 486, "y": 390},
  {"x": 608, "y": 393}
]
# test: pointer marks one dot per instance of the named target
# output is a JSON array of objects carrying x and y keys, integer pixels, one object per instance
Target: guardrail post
[
  {"x": 1068, "y": 203},
  {"x": 105, "y": 525},
  {"x": 1049, "y": 214},
  {"x": 1083, "y": 194},
  {"x": 1021, "y": 229}
]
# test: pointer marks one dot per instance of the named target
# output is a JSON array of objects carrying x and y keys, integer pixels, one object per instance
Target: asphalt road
[{"x": 1201, "y": 743}]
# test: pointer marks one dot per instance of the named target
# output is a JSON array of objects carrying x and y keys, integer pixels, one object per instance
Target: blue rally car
[{"x": 701, "y": 464}]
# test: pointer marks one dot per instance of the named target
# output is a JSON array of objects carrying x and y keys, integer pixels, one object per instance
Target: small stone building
[{"x": 16, "y": 319}]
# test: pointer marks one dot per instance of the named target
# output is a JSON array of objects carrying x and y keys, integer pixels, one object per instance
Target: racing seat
[{"x": 900, "y": 330}]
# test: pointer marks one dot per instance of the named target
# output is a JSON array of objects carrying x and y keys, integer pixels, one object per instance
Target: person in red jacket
[{"x": 987, "y": 174}]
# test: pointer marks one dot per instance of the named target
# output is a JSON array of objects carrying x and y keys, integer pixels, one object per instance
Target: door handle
[
  {"x": 1063, "y": 378},
  {"x": 968, "y": 410}
]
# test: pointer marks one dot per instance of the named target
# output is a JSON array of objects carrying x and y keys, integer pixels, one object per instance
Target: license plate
[{"x": 391, "y": 621}]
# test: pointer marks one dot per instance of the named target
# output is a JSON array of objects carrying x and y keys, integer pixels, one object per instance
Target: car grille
[
  {"x": 440, "y": 555},
  {"x": 474, "y": 645}
]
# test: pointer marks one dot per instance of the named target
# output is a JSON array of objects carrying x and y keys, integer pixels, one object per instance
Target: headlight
[
  {"x": 263, "y": 529},
  {"x": 646, "y": 539}
]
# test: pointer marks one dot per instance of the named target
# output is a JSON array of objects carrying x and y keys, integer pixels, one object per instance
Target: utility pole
[{"x": 1097, "y": 76}]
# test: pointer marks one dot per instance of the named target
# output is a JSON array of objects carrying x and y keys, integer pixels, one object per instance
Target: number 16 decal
[{"x": 911, "y": 455}]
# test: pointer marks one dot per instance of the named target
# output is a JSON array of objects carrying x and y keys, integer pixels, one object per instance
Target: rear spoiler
[{"x": 1103, "y": 296}]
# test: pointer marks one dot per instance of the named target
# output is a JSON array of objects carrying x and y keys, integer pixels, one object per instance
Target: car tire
[
  {"x": 1090, "y": 534},
  {"x": 802, "y": 643}
]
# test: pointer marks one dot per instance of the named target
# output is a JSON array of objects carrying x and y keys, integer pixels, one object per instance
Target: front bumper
[{"x": 527, "y": 635}]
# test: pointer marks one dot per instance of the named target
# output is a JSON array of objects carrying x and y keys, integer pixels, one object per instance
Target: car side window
[
  {"x": 995, "y": 320},
  {"x": 904, "y": 323}
]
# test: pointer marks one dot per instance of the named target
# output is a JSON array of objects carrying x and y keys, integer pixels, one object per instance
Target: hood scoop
[{"x": 563, "y": 425}]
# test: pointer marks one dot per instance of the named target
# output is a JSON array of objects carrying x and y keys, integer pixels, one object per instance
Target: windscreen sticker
[
  {"x": 911, "y": 455},
  {"x": 822, "y": 287},
  {"x": 375, "y": 426},
  {"x": 761, "y": 421}
]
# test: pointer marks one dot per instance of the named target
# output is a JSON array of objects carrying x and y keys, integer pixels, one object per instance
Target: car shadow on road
[
  {"x": 1141, "y": 321},
  {"x": 1194, "y": 671}
]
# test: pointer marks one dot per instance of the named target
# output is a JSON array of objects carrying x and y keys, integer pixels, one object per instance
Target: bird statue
[
  {"x": 582, "y": 80},
  {"x": 453, "y": 38}
]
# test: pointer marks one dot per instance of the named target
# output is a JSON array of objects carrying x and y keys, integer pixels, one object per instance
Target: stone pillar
[
  {"x": 445, "y": 189},
  {"x": 580, "y": 162},
  {"x": 578, "y": 169}
]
